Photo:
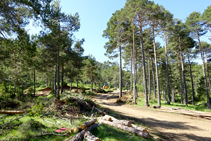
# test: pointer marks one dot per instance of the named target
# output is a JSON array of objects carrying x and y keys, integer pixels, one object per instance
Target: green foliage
[
  {"x": 36, "y": 109},
  {"x": 30, "y": 128},
  {"x": 30, "y": 92}
]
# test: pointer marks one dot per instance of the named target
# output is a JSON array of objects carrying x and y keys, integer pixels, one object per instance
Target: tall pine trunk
[
  {"x": 46, "y": 81},
  {"x": 55, "y": 87},
  {"x": 62, "y": 82},
  {"x": 134, "y": 70},
  {"x": 183, "y": 72},
  {"x": 149, "y": 75},
  {"x": 131, "y": 73},
  {"x": 204, "y": 72},
  {"x": 153, "y": 80},
  {"x": 156, "y": 66},
  {"x": 172, "y": 93},
  {"x": 58, "y": 60},
  {"x": 208, "y": 75},
  {"x": 143, "y": 64},
  {"x": 167, "y": 73},
  {"x": 180, "y": 75},
  {"x": 77, "y": 80},
  {"x": 191, "y": 81},
  {"x": 120, "y": 72}
]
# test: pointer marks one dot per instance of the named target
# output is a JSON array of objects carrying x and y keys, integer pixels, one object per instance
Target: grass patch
[{"x": 153, "y": 102}]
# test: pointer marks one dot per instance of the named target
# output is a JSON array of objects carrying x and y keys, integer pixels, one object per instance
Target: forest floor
[{"x": 165, "y": 126}]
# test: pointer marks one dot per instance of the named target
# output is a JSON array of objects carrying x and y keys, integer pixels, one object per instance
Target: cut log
[
  {"x": 102, "y": 112},
  {"x": 80, "y": 135},
  {"x": 11, "y": 112},
  {"x": 139, "y": 128},
  {"x": 88, "y": 123},
  {"x": 75, "y": 130},
  {"x": 126, "y": 128},
  {"x": 110, "y": 118},
  {"x": 123, "y": 122},
  {"x": 90, "y": 137}
]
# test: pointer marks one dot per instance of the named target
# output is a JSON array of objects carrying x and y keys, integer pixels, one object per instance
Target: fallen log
[
  {"x": 11, "y": 112},
  {"x": 75, "y": 130},
  {"x": 110, "y": 118},
  {"x": 102, "y": 112},
  {"x": 88, "y": 123},
  {"x": 139, "y": 128},
  {"x": 90, "y": 137},
  {"x": 80, "y": 135},
  {"x": 126, "y": 128}
]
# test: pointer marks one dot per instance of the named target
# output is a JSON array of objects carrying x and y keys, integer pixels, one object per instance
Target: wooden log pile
[
  {"x": 186, "y": 112},
  {"x": 124, "y": 125},
  {"x": 89, "y": 137},
  {"x": 87, "y": 126}
]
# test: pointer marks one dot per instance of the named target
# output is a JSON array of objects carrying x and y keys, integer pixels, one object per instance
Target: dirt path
[{"x": 168, "y": 126}]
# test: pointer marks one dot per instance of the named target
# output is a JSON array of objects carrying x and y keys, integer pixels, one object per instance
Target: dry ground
[{"x": 168, "y": 126}]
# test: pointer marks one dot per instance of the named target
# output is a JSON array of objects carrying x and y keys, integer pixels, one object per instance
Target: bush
[{"x": 36, "y": 109}]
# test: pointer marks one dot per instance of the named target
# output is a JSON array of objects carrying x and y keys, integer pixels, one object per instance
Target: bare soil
[{"x": 162, "y": 125}]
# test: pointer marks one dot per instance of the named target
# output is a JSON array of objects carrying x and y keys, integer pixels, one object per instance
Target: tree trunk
[
  {"x": 172, "y": 94},
  {"x": 153, "y": 80},
  {"x": 77, "y": 80},
  {"x": 181, "y": 91},
  {"x": 167, "y": 73},
  {"x": 62, "y": 83},
  {"x": 134, "y": 70},
  {"x": 34, "y": 82},
  {"x": 149, "y": 75},
  {"x": 143, "y": 64},
  {"x": 55, "y": 87},
  {"x": 164, "y": 95},
  {"x": 58, "y": 60},
  {"x": 208, "y": 74},
  {"x": 131, "y": 73},
  {"x": 191, "y": 81},
  {"x": 156, "y": 66},
  {"x": 120, "y": 71},
  {"x": 205, "y": 77},
  {"x": 46, "y": 81},
  {"x": 183, "y": 72}
]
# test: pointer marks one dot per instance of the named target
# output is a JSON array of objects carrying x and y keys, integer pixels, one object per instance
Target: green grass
[
  {"x": 153, "y": 102},
  {"x": 108, "y": 133},
  {"x": 17, "y": 134}
]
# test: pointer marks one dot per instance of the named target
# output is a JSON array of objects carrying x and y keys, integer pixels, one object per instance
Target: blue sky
[{"x": 94, "y": 15}]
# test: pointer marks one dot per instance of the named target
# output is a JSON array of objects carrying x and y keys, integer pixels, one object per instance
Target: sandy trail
[{"x": 168, "y": 126}]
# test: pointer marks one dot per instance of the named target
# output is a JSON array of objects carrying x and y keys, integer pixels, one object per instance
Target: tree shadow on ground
[{"x": 151, "y": 124}]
